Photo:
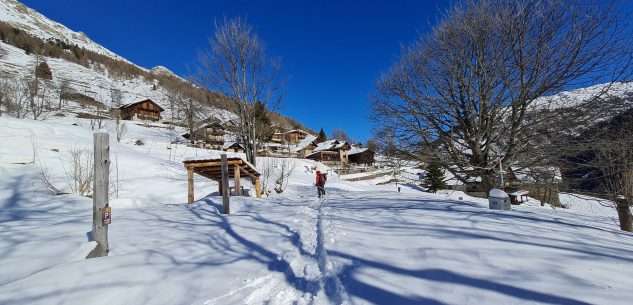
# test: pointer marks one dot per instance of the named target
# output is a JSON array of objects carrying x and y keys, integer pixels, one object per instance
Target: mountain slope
[{"x": 30, "y": 21}]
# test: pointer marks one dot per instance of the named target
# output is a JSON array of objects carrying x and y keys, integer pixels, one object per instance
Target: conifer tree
[
  {"x": 322, "y": 137},
  {"x": 43, "y": 71},
  {"x": 434, "y": 179}
]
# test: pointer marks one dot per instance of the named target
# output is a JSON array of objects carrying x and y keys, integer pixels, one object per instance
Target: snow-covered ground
[{"x": 362, "y": 244}]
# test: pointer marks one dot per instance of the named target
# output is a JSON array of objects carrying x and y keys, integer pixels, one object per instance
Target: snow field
[{"x": 362, "y": 244}]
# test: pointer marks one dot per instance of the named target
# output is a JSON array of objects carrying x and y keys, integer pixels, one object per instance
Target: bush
[{"x": 139, "y": 142}]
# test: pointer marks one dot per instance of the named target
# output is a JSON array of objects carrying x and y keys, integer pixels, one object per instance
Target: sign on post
[{"x": 101, "y": 211}]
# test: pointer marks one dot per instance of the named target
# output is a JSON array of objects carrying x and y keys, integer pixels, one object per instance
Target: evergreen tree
[
  {"x": 321, "y": 137},
  {"x": 434, "y": 179},
  {"x": 262, "y": 123},
  {"x": 43, "y": 71}
]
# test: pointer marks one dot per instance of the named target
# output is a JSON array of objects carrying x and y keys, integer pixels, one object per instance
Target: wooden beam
[
  {"x": 210, "y": 164},
  {"x": 247, "y": 173},
  {"x": 190, "y": 197},
  {"x": 236, "y": 178}
]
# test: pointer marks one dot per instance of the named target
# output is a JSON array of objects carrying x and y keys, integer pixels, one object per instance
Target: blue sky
[{"x": 332, "y": 51}]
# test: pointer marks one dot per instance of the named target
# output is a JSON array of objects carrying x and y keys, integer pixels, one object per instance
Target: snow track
[{"x": 330, "y": 283}]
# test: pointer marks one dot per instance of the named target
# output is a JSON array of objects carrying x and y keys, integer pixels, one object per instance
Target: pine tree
[
  {"x": 262, "y": 123},
  {"x": 44, "y": 71},
  {"x": 322, "y": 137},
  {"x": 434, "y": 179}
]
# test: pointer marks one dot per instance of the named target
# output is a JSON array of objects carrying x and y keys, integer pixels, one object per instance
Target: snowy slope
[
  {"x": 363, "y": 244},
  {"x": 34, "y": 23},
  {"x": 577, "y": 97},
  {"x": 92, "y": 82}
]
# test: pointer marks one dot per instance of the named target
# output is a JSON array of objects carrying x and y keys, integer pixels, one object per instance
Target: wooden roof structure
[
  {"x": 160, "y": 109},
  {"x": 211, "y": 168}
]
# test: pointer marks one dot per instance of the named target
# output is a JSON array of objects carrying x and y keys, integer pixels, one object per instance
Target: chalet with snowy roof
[
  {"x": 306, "y": 146},
  {"x": 143, "y": 110},
  {"x": 210, "y": 135},
  {"x": 233, "y": 147},
  {"x": 331, "y": 151},
  {"x": 273, "y": 149},
  {"x": 293, "y": 137},
  {"x": 359, "y": 155}
]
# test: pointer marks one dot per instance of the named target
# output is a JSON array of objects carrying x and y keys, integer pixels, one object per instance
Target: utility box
[{"x": 499, "y": 200}]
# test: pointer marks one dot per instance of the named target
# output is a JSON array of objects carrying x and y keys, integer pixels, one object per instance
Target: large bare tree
[
  {"x": 464, "y": 91},
  {"x": 237, "y": 66}
]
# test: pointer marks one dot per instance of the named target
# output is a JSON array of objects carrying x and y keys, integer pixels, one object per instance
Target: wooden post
[
  {"x": 190, "y": 195},
  {"x": 258, "y": 188},
  {"x": 220, "y": 187},
  {"x": 100, "y": 194},
  {"x": 225, "y": 185},
  {"x": 236, "y": 170}
]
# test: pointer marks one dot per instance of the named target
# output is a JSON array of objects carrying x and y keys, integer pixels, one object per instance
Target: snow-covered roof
[
  {"x": 497, "y": 193},
  {"x": 357, "y": 150},
  {"x": 142, "y": 101},
  {"x": 229, "y": 144},
  {"x": 305, "y": 143},
  {"x": 329, "y": 144},
  {"x": 215, "y": 156},
  {"x": 296, "y": 130}
]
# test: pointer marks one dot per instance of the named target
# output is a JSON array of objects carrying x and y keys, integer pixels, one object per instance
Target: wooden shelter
[
  {"x": 211, "y": 168},
  {"x": 143, "y": 110}
]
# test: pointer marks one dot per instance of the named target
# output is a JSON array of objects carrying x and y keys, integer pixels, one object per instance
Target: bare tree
[
  {"x": 267, "y": 169},
  {"x": 116, "y": 99},
  {"x": 286, "y": 167},
  {"x": 16, "y": 96},
  {"x": 38, "y": 96},
  {"x": 599, "y": 162},
  {"x": 465, "y": 89},
  {"x": 237, "y": 66},
  {"x": 190, "y": 110},
  {"x": 78, "y": 170},
  {"x": 62, "y": 92},
  {"x": 341, "y": 135}
]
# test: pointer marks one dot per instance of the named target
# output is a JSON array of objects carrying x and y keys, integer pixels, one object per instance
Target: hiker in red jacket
[{"x": 320, "y": 183}]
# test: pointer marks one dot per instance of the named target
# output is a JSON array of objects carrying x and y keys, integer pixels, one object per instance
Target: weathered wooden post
[
  {"x": 190, "y": 191},
  {"x": 258, "y": 188},
  {"x": 225, "y": 185},
  {"x": 238, "y": 187},
  {"x": 101, "y": 214}
]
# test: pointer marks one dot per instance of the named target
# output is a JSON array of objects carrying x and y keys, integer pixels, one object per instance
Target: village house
[
  {"x": 274, "y": 149},
  {"x": 210, "y": 135},
  {"x": 278, "y": 134},
  {"x": 306, "y": 146},
  {"x": 331, "y": 151},
  {"x": 143, "y": 110},
  {"x": 361, "y": 156},
  {"x": 293, "y": 137},
  {"x": 233, "y": 147}
]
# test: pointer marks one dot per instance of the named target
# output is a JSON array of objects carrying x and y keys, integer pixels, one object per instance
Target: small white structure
[{"x": 499, "y": 200}]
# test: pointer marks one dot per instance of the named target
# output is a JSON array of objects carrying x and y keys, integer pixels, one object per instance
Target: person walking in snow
[{"x": 320, "y": 183}]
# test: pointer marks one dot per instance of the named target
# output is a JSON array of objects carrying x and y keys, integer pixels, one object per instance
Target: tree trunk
[
  {"x": 624, "y": 215},
  {"x": 487, "y": 182}
]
